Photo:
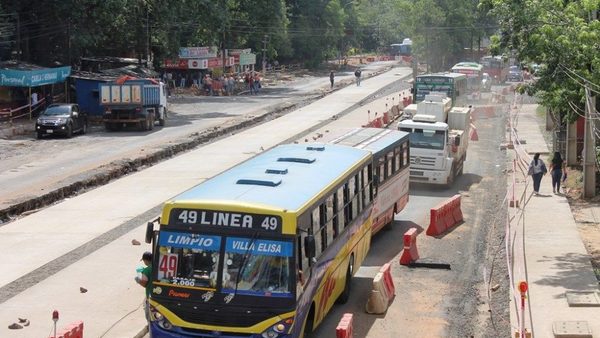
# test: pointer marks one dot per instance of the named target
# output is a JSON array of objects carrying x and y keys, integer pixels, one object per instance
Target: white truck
[{"x": 439, "y": 137}]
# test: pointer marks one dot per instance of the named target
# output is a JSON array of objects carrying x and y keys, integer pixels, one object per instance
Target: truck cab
[{"x": 438, "y": 142}]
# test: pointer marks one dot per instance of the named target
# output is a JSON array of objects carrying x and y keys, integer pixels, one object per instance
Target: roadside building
[{"x": 26, "y": 88}]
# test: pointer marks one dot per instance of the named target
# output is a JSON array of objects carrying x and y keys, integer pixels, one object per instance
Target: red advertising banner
[
  {"x": 175, "y": 64},
  {"x": 215, "y": 63}
]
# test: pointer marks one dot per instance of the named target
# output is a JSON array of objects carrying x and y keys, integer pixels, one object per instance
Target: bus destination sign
[{"x": 187, "y": 217}]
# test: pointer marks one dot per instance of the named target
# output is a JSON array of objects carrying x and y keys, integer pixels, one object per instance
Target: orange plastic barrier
[
  {"x": 386, "y": 270},
  {"x": 410, "y": 253},
  {"x": 377, "y": 123},
  {"x": 344, "y": 328},
  {"x": 474, "y": 136},
  {"x": 444, "y": 216},
  {"x": 386, "y": 118},
  {"x": 74, "y": 330}
]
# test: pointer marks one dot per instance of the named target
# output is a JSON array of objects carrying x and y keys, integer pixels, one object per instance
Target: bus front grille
[{"x": 218, "y": 316}]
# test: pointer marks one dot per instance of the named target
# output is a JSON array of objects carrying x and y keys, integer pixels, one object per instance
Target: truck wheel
[
  {"x": 143, "y": 125},
  {"x": 151, "y": 123},
  {"x": 451, "y": 176},
  {"x": 161, "y": 121}
]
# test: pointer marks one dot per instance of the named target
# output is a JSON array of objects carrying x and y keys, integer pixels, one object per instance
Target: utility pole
[
  {"x": 427, "y": 47},
  {"x": 589, "y": 147},
  {"x": 147, "y": 36},
  {"x": 18, "y": 37},
  {"x": 223, "y": 52},
  {"x": 264, "y": 52}
]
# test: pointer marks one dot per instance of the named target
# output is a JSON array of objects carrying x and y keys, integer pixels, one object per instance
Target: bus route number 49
[
  {"x": 269, "y": 223},
  {"x": 167, "y": 266}
]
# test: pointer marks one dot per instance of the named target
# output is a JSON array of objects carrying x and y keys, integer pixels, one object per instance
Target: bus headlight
[
  {"x": 160, "y": 319},
  {"x": 277, "y": 329}
]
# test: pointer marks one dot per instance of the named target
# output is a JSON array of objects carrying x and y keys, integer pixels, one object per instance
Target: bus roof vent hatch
[
  {"x": 315, "y": 148},
  {"x": 263, "y": 181},
  {"x": 296, "y": 159},
  {"x": 277, "y": 171}
]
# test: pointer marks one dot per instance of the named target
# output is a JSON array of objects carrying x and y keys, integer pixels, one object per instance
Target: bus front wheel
[{"x": 309, "y": 323}]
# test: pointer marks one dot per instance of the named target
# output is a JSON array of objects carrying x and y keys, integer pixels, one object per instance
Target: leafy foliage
[{"x": 563, "y": 37}]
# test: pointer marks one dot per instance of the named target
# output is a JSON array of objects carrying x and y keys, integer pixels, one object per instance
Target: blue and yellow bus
[
  {"x": 454, "y": 85},
  {"x": 265, "y": 248},
  {"x": 391, "y": 160}
]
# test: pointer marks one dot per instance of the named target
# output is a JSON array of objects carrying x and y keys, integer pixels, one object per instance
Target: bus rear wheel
[{"x": 345, "y": 295}]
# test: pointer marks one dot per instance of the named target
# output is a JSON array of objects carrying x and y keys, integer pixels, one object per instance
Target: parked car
[
  {"x": 62, "y": 119},
  {"x": 486, "y": 82},
  {"x": 515, "y": 74}
]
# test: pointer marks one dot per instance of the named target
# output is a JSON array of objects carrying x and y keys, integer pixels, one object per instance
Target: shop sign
[
  {"x": 175, "y": 64},
  {"x": 247, "y": 59},
  {"x": 239, "y": 51},
  {"x": 198, "y": 52},
  {"x": 197, "y": 63},
  {"x": 230, "y": 61},
  {"x": 32, "y": 78},
  {"x": 215, "y": 63}
]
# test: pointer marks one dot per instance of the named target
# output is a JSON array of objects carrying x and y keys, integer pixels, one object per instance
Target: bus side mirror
[
  {"x": 309, "y": 246},
  {"x": 412, "y": 90},
  {"x": 457, "y": 140},
  {"x": 149, "y": 232}
]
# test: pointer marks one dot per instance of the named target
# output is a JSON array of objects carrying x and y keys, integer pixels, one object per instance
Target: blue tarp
[{"x": 33, "y": 78}]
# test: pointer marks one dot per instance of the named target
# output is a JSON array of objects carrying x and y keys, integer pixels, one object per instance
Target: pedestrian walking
[
  {"x": 537, "y": 169},
  {"x": 331, "y": 78},
  {"x": 357, "y": 74},
  {"x": 556, "y": 171}
]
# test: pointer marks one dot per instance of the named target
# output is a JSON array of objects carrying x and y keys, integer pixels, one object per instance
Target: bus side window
[
  {"x": 358, "y": 191},
  {"x": 324, "y": 236},
  {"x": 390, "y": 164},
  {"x": 365, "y": 186},
  {"x": 405, "y": 155},
  {"x": 347, "y": 205},
  {"x": 316, "y": 230},
  {"x": 370, "y": 182},
  {"x": 397, "y": 160},
  {"x": 381, "y": 170},
  {"x": 332, "y": 228},
  {"x": 352, "y": 193},
  {"x": 340, "y": 208}
]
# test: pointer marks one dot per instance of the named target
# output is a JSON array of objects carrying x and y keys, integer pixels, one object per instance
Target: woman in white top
[{"x": 537, "y": 169}]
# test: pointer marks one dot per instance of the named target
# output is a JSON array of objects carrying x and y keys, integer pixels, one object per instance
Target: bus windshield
[{"x": 260, "y": 267}]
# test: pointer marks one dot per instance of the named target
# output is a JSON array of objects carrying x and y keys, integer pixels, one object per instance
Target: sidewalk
[{"x": 546, "y": 249}]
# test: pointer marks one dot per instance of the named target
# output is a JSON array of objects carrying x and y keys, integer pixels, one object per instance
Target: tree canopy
[
  {"x": 561, "y": 36},
  {"x": 59, "y": 31}
]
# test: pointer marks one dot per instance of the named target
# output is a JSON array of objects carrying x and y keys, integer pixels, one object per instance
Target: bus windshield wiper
[{"x": 243, "y": 267}]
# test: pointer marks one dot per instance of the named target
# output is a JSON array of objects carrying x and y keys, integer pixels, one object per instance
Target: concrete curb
[{"x": 142, "y": 332}]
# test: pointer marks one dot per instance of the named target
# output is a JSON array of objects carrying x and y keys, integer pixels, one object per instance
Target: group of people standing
[
  {"x": 537, "y": 169},
  {"x": 252, "y": 81}
]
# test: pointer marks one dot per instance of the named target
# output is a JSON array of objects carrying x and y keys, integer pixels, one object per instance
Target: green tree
[{"x": 563, "y": 37}]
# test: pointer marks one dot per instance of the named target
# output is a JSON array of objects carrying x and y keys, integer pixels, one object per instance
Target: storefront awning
[{"x": 33, "y": 78}]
